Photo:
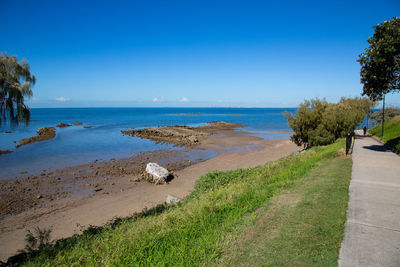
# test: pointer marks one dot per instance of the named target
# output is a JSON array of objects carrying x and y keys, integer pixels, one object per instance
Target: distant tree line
[{"x": 318, "y": 122}]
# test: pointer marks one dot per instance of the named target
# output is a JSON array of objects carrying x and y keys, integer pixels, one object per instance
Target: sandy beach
[{"x": 71, "y": 199}]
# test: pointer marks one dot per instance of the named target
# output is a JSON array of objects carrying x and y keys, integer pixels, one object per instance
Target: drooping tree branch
[{"x": 16, "y": 82}]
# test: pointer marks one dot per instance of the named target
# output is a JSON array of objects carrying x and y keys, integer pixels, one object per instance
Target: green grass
[
  {"x": 391, "y": 132},
  {"x": 198, "y": 230},
  {"x": 302, "y": 227}
]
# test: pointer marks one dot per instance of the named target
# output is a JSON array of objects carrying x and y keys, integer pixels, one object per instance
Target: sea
[{"x": 77, "y": 145}]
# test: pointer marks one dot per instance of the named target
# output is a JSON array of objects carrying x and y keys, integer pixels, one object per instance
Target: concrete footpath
[{"x": 372, "y": 234}]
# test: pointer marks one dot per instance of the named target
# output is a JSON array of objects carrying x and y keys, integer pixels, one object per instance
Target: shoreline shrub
[{"x": 318, "y": 122}]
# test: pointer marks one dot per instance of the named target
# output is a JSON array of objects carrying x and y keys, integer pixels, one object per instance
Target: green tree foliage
[
  {"x": 318, "y": 122},
  {"x": 16, "y": 82},
  {"x": 380, "y": 63}
]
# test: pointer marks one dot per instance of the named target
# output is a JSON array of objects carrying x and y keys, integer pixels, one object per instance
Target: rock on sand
[
  {"x": 156, "y": 173},
  {"x": 171, "y": 199}
]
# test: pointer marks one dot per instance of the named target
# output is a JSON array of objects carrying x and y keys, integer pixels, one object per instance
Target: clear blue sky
[{"x": 191, "y": 53}]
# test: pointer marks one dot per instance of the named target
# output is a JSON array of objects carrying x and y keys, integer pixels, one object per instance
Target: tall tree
[
  {"x": 16, "y": 82},
  {"x": 380, "y": 62}
]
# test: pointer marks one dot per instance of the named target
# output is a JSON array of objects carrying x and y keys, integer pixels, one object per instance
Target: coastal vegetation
[
  {"x": 318, "y": 122},
  {"x": 218, "y": 218},
  {"x": 16, "y": 81},
  {"x": 391, "y": 130}
]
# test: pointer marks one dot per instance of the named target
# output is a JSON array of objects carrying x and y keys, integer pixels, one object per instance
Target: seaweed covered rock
[
  {"x": 5, "y": 152},
  {"x": 63, "y": 124},
  {"x": 45, "y": 133},
  {"x": 181, "y": 135}
]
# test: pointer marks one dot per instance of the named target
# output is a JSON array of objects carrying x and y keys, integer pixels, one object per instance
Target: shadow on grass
[{"x": 50, "y": 251}]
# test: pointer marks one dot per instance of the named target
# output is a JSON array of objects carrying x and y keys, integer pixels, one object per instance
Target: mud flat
[
  {"x": 71, "y": 199},
  {"x": 35, "y": 191}
]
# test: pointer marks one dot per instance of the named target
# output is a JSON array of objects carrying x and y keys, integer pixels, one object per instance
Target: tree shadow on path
[{"x": 378, "y": 148}]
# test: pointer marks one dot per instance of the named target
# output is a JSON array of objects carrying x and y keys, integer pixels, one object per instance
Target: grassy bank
[
  {"x": 301, "y": 227},
  {"x": 391, "y": 132},
  {"x": 223, "y": 207}
]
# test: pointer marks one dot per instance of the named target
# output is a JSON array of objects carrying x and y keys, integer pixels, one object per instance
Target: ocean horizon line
[{"x": 166, "y": 107}]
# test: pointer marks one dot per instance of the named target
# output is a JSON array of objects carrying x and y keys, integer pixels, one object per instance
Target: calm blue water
[{"x": 75, "y": 145}]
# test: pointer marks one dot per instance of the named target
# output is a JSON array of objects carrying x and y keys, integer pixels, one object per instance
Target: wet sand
[
  {"x": 98, "y": 177},
  {"x": 116, "y": 190}
]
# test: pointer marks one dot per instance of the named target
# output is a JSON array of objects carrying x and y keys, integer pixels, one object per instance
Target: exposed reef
[
  {"x": 45, "y": 133},
  {"x": 5, "y": 152},
  {"x": 181, "y": 135},
  {"x": 63, "y": 124}
]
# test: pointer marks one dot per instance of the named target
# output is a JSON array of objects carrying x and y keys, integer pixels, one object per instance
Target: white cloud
[
  {"x": 33, "y": 99},
  {"x": 184, "y": 99},
  {"x": 63, "y": 99},
  {"x": 158, "y": 99}
]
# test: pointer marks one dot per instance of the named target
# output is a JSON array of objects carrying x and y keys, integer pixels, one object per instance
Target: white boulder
[
  {"x": 156, "y": 173},
  {"x": 171, "y": 199}
]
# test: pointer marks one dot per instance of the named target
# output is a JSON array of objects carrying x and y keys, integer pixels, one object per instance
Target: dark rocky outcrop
[
  {"x": 45, "y": 133},
  {"x": 63, "y": 124}
]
